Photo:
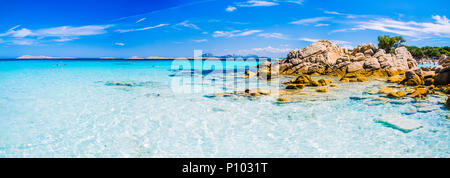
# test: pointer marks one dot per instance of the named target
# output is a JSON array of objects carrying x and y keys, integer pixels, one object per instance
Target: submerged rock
[
  {"x": 419, "y": 93},
  {"x": 325, "y": 82},
  {"x": 398, "y": 94},
  {"x": 353, "y": 77},
  {"x": 400, "y": 123},
  {"x": 322, "y": 90},
  {"x": 284, "y": 99},
  {"x": 302, "y": 79},
  {"x": 295, "y": 86},
  {"x": 410, "y": 110},
  {"x": 120, "y": 83},
  {"x": 386, "y": 90}
]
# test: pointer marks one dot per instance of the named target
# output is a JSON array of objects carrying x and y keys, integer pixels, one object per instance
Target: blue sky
[{"x": 126, "y": 28}]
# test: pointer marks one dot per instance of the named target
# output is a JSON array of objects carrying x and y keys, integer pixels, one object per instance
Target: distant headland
[{"x": 206, "y": 56}]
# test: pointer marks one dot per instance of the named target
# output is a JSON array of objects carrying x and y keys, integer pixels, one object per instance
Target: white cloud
[
  {"x": 349, "y": 16},
  {"x": 332, "y": 12},
  {"x": 235, "y": 33},
  {"x": 272, "y": 35},
  {"x": 201, "y": 40},
  {"x": 17, "y": 33},
  {"x": 230, "y": 9},
  {"x": 339, "y": 42},
  {"x": 22, "y": 33},
  {"x": 140, "y": 20},
  {"x": 347, "y": 47},
  {"x": 11, "y": 29},
  {"x": 119, "y": 44},
  {"x": 300, "y": 2},
  {"x": 140, "y": 29},
  {"x": 64, "y": 39},
  {"x": 264, "y": 51},
  {"x": 310, "y": 20},
  {"x": 23, "y": 41},
  {"x": 440, "y": 28},
  {"x": 309, "y": 40},
  {"x": 188, "y": 25},
  {"x": 321, "y": 25},
  {"x": 26, "y": 36},
  {"x": 68, "y": 31},
  {"x": 257, "y": 3}
]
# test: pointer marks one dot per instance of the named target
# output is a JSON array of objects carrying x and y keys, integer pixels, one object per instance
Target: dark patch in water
[
  {"x": 153, "y": 95},
  {"x": 218, "y": 110},
  {"x": 210, "y": 96},
  {"x": 358, "y": 98},
  {"x": 131, "y": 84}
]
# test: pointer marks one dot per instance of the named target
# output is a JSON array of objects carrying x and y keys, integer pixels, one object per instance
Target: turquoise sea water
[{"x": 52, "y": 108}]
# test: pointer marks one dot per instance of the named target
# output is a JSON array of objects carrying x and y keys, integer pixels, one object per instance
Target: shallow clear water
[{"x": 66, "y": 109}]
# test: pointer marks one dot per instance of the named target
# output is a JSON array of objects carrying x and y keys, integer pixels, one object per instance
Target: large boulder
[
  {"x": 444, "y": 61},
  {"x": 413, "y": 78},
  {"x": 443, "y": 77},
  {"x": 365, "y": 49},
  {"x": 325, "y": 57},
  {"x": 268, "y": 70},
  {"x": 404, "y": 60},
  {"x": 314, "y": 58},
  {"x": 372, "y": 63},
  {"x": 443, "y": 71},
  {"x": 356, "y": 66}
]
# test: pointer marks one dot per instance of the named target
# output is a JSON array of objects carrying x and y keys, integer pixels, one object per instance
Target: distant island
[{"x": 206, "y": 56}]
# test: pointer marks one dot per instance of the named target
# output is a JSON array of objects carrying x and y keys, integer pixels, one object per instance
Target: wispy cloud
[
  {"x": 17, "y": 33},
  {"x": 257, "y": 3},
  {"x": 440, "y": 28},
  {"x": 235, "y": 33},
  {"x": 349, "y": 16},
  {"x": 119, "y": 44},
  {"x": 261, "y": 3},
  {"x": 321, "y": 25},
  {"x": 272, "y": 35},
  {"x": 188, "y": 25},
  {"x": 332, "y": 12},
  {"x": 64, "y": 39},
  {"x": 341, "y": 43},
  {"x": 309, "y": 40},
  {"x": 201, "y": 40},
  {"x": 140, "y": 29},
  {"x": 23, "y": 41},
  {"x": 68, "y": 31},
  {"x": 230, "y": 8},
  {"x": 311, "y": 20},
  {"x": 264, "y": 51},
  {"x": 26, "y": 36},
  {"x": 300, "y": 2},
  {"x": 140, "y": 20}
]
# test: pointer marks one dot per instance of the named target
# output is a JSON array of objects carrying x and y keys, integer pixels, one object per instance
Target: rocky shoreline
[{"x": 325, "y": 58}]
